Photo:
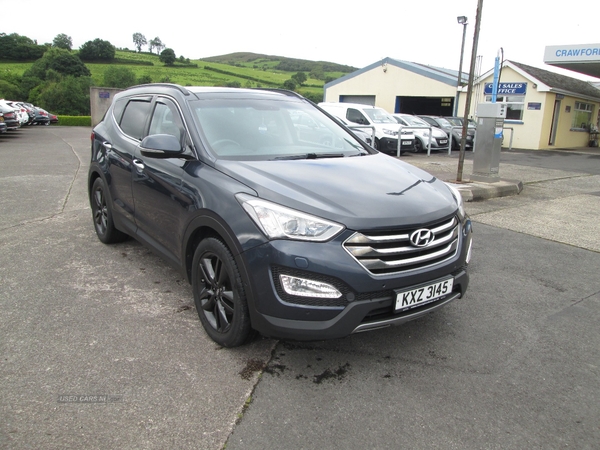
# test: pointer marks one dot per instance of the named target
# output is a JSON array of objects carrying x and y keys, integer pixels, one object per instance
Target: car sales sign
[{"x": 507, "y": 88}]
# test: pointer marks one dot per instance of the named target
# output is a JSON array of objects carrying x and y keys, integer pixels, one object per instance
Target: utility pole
[{"x": 461, "y": 157}]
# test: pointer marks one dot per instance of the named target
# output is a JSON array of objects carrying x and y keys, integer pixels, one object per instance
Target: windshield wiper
[{"x": 310, "y": 156}]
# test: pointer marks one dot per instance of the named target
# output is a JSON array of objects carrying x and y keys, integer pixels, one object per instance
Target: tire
[
  {"x": 377, "y": 144},
  {"x": 102, "y": 215},
  {"x": 219, "y": 294},
  {"x": 418, "y": 145},
  {"x": 455, "y": 143}
]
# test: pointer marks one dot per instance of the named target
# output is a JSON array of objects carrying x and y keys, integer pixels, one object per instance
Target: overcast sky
[{"x": 422, "y": 31}]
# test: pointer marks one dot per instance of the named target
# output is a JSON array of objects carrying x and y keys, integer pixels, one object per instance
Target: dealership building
[{"x": 544, "y": 109}]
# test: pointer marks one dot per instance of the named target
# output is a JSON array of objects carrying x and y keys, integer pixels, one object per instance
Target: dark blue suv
[{"x": 291, "y": 233}]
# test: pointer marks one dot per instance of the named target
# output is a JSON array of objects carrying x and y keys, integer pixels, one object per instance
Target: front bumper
[
  {"x": 367, "y": 300},
  {"x": 357, "y": 317},
  {"x": 390, "y": 145}
]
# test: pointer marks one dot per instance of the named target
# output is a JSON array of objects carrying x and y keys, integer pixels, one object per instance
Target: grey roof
[
  {"x": 560, "y": 82},
  {"x": 445, "y": 76}
]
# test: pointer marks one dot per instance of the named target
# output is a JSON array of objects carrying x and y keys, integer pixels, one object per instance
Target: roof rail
[
  {"x": 281, "y": 91},
  {"x": 183, "y": 90}
]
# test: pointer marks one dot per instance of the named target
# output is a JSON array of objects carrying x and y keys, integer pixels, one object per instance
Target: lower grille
[{"x": 403, "y": 250}]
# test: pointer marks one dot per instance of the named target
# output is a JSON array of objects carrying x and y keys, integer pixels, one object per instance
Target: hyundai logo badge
[{"x": 422, "y": 237}]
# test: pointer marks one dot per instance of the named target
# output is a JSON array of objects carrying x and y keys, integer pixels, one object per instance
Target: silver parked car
[
  {"x": 452, "y": 129},
  {"x": 439, "y": 138}
]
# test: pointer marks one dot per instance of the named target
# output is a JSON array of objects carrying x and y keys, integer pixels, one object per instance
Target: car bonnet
[{"x": 363, "y": 192}]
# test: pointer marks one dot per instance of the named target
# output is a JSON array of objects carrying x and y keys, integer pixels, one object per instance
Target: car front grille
[{"x": 393, "y": 251}]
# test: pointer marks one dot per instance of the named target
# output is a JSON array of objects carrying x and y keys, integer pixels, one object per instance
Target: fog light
[{"x": 308, "y": 288}]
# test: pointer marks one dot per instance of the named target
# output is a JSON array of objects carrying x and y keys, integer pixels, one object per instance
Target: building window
[
  {"x": 582, "y": 116},
  {"x": 515, "y": 105}
]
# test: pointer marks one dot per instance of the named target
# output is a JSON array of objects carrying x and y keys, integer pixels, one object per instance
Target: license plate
[
  {"x": 419, "y": 296},
  {"x": 406, "y": 142},
  {"x": 443, "y": 141}
]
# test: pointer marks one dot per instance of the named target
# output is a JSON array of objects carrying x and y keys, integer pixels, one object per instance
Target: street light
[{"x": 463, "y": 21}]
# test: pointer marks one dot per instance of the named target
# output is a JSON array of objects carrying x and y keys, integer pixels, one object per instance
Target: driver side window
[
  {"x": 166, "y": 120},
  {"x": 354, "y": 115}
]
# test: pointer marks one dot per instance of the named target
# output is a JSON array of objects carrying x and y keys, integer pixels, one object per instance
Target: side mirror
[{"x": 161, "y": 146}]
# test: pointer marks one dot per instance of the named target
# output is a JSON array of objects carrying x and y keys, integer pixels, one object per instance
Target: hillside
[
  {"x": 247, "y": 70},
  {"x": 281, "y": 63},
  {"x": 235, "y": 69}
]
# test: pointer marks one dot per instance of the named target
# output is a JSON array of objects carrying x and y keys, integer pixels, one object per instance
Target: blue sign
[
  {"x": 104, "y": 94},
  {"x": 534, "y": 105},
  {"x": 506, "y": 89}
]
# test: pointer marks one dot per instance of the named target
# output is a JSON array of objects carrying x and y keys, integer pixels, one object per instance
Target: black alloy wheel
[
  {"x": 102, "y": 214},
  {"x": 219, "y": 295},
  {"x": 418, "y": 145}
]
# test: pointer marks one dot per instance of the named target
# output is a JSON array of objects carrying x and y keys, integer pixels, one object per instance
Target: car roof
[
  {"x": 210, "y": 91},
  {"x": 349, "y": 105}
]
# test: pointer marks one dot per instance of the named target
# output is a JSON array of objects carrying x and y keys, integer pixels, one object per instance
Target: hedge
[{"x": 75, "y": 121}]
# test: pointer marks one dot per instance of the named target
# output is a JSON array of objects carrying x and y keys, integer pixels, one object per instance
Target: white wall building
[{"x": 545, "y": 109}]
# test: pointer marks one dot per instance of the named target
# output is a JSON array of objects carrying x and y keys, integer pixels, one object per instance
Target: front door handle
[
  {"x": 107, "y": 145},
  {"x": 139, "y": 164}
]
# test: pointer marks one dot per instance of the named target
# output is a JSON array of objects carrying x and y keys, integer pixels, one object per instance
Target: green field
[{"x": 249, "y": 70}]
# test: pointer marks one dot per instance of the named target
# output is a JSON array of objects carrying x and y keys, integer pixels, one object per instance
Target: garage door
[
  {"x": 362, "y": 99},
  {"x": 434, "y": 106}
]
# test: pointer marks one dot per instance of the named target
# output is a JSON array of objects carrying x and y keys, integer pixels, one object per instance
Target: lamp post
[{"x": 463, "y": 21}]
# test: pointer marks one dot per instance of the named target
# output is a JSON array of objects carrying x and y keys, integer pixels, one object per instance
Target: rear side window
[
  {"x": 118, "y": 108},
  {"x": 134, "y": 118}
]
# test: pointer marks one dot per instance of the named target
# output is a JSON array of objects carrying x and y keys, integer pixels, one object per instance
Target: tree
[
  {"x": 139, "y": 40},
  {"x": 290, "y": 84},
  {"x": 55, "y": 64},
  {"x": 157, "y": 44},
  {"x": 167, "y": 56},
  {"x": 19, "y": 48},
  {"x": 97, "y": 50},
  {"x": 119, "y": 77},
  {"x": 69, "y": 96},
  {"x": 317, "y": 73},
  {"x": 300, "y": 78},
  {"x": 10, "y": 90},
  {"x": 59, "y": 60},
  {"x": 62, "y": 41}
]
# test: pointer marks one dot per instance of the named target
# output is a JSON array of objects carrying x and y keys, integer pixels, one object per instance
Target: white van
[{"x": 386, "y": 127}]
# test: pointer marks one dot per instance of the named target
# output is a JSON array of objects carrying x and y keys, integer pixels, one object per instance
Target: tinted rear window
[{"x": 134, "y": 118}]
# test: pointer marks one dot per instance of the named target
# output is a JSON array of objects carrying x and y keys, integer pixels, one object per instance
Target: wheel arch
[{"x": 201, "y": 227}]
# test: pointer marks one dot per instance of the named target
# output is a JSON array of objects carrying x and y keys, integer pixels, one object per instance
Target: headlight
[
  {"x": 459, "y": 200},
  {"x": 279, "y": 222},
  {"x": 390, "y": 132}
]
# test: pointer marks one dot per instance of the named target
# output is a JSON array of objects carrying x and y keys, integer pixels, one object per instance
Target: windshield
[
  {"x": 267, "y": 129},
  {"x": 415, "y": 121},
  {"x": 380, "y": 116},
  {"x": 456, "y": 122}
]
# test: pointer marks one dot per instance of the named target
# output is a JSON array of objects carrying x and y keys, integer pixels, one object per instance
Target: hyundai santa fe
[{"x": 278, "y": 230}]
